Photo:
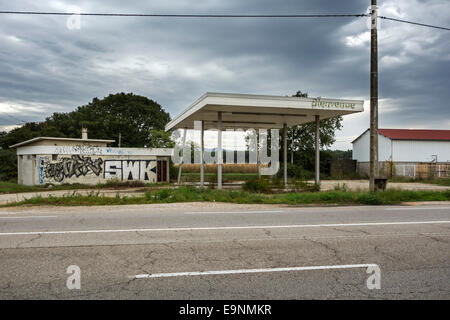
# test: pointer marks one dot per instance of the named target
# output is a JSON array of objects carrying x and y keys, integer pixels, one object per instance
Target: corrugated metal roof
[
  {"x": 415, "y": 134},
  {"x": 412, "y": 134}
]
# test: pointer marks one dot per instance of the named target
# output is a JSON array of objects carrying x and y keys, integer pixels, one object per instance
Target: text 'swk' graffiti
[
  {"x": 130, "y": 169},
  {"x": 77, "y": 166}
]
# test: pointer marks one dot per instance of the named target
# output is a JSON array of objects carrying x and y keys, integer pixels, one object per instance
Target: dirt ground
[{"x": 356, "y": 185}]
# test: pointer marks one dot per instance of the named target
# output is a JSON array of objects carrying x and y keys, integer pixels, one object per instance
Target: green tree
[
  {"x": 301, "y": 139},
  {"x": 135, "y": 117},
  {"x": 139, "y": 120},
  {"x": 160, "y": 139}
]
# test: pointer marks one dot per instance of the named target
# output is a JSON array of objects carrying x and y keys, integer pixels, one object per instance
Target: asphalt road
[{"x": 224, "y": 251}]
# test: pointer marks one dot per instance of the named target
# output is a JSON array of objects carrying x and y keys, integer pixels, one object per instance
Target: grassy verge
[
  {"x": 212, "y": 177},
  {"x": 190, "y": 194},
  {"x": 441, "y": 182},
  {"x": 12, "y": 187},
  {"x": 438, "y": 181}
]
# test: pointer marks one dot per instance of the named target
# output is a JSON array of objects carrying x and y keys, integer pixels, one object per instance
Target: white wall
[
  {"x": 361, "y": 148},
  {"x": 420, "y": 151},
  {"x": 401, "y": 150},
  {"x": 27, "y": 170},
  {"x": 88, "y": 164}
]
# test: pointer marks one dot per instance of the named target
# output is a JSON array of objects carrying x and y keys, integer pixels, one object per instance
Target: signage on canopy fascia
[{"x": 318, "y": 102}]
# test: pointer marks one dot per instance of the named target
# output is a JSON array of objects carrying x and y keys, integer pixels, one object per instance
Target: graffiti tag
[{"x": 76, "y": 165}]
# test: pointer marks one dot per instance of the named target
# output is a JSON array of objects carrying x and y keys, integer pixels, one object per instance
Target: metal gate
[{"x": 161, "y": 171}]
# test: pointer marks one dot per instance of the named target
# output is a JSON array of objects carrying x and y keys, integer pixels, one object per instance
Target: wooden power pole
[{"x": 373, "y": 97}]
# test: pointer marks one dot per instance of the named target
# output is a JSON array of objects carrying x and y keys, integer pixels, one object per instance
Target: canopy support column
[
  {"x": 180, "y": 166},
  {"x": 258, "y": 158},
  {"x": 285, "y": 153},
  {"x": 317, "y": 145},
  {"x": 202, "y": 150},
  {"x": 219, "y": 150}
]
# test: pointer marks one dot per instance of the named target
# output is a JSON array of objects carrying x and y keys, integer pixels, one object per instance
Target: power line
[
  {"x": 15, "y": 118},
  {"x": 156, "y": 15},
  {"x": 415, "y": 23},
  {"x": 188, "y": 15},
  {"x": 9, "y": 122}
]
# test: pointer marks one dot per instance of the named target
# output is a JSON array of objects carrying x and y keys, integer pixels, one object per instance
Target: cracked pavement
[{"x": 38, "y": 244}]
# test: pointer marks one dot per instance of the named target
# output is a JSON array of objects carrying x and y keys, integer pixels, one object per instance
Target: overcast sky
[{"x": 46, "y": 67}]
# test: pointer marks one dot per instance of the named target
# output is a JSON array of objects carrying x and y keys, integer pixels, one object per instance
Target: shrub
[
  {"x": 277, "y": 182},
  {"x": 259, "y": 185},
  {"x": 162, "y": 194},
  {"x": 297, "y": 171},
  {"x": 8, "y": 169}
]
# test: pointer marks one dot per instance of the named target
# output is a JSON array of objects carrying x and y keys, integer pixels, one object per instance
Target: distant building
[
  {"x": 406, "y": 152},
  {"x": 52, "y": 160}
]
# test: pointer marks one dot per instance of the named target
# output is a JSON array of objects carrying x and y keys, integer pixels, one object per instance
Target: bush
[
  {"x": 162, "y": 194},
  {"x": 259, "y": 185},
  {"x": 277, "y": 182},
  {"x": 173, "y": 171},
  {"x": 297, "y": 171},
  {"x": 8, "y": 169}
]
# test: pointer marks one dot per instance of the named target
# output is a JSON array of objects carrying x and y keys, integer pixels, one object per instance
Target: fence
[{"x": 421, "y": 170}]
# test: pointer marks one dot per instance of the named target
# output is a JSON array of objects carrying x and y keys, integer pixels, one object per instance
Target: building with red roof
[{"x": 405, "y": 150}]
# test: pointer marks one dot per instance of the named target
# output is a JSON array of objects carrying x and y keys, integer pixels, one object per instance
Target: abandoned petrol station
[
  {"x": 222, "y": 111},
  {"x": 53, "y": 160}
]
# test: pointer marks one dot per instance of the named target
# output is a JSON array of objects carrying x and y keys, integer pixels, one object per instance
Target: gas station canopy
[
  {"x": 260, "y": 111},
  {"x": 248, "y": 111}
]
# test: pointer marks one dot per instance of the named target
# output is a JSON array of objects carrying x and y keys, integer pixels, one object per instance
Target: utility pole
[
  {"x": 373, "y": 96},
  {"x": 120, "y": 139}
]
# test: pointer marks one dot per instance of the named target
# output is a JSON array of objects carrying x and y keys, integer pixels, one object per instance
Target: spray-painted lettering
[
  {"x": 130, "y": 169},
  {"x": 75, "y": 165}
]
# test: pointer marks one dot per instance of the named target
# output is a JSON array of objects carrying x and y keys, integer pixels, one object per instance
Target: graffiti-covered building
[{"x": 45, "y": 160}]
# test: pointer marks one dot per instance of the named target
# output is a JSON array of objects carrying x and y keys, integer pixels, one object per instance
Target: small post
[
  {"x": 285, "y": 153},
  {"x": 219, "y": 150},
  {"x": 258, "y": 158},
  {"x": 202, "y": 162},
  {"x": 317, "y": 145}
]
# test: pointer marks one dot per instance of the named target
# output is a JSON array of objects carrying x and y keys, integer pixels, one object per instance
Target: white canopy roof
[{"x": 260, "y": 111}]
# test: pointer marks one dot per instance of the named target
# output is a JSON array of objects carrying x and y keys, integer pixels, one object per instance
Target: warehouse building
[
  {"x": 50, "y": 160},
  {"x": 406, "y": 152}
]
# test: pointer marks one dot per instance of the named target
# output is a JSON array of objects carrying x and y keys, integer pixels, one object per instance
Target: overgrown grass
[
  {"x": 438, "y": 181},
  {"x": 12, "y": 187},
  {"x": 212, "y": 177},
  {"x": 191, "y": 194}
]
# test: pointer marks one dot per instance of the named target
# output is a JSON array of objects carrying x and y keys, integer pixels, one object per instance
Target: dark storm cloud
[{"x": 44, "y": 67}]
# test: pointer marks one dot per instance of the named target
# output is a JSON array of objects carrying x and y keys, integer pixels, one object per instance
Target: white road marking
[
  {"x": 240, "y": 271},
  {"x": 418, "y": 208},
  {"x": 227, "y": 212},
  {"x": 28, "y": 217},
  {"x": 227, "y": 228},
  {"x": 18, "y": 212}
]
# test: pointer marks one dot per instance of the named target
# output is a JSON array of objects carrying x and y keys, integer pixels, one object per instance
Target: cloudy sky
[{"x": 46, "y": 67}]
